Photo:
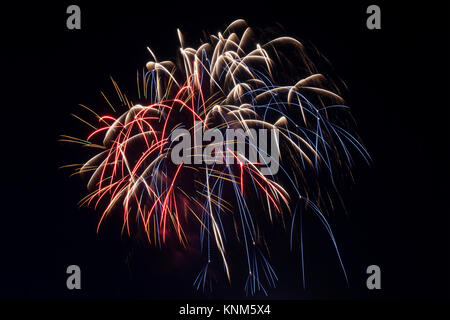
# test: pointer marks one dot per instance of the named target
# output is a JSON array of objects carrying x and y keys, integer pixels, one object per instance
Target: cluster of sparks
[{"x": 227, "y": 82}]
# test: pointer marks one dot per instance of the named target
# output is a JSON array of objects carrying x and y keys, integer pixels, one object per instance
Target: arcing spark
[{"x": 228, "y": 82}]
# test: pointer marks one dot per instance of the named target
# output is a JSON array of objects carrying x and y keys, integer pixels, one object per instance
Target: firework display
[{"x": 296, "y": 140}]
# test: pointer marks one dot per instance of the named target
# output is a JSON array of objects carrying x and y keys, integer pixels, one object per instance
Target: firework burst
[{"x": 228, "y": 82}]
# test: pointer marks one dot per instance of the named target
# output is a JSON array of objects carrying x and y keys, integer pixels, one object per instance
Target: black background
[{"x": 398, "y": 90}]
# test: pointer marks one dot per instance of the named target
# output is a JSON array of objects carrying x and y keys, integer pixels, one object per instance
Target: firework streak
[{"x": 230, "y": 81}]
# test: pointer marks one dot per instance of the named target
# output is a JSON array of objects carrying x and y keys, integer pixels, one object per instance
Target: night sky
[{"x": 397, "y": 213}]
